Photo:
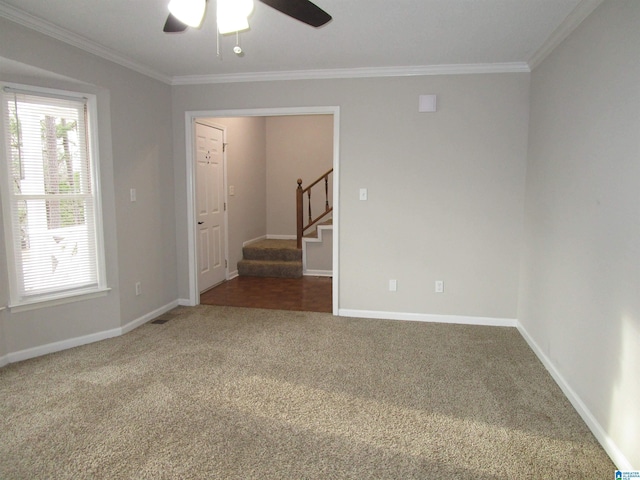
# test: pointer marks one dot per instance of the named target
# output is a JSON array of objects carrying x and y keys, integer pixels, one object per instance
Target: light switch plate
[{"x": 363, "y": 194}]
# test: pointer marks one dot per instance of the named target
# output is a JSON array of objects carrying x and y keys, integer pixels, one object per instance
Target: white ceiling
[{"x": 365, "y": 36}]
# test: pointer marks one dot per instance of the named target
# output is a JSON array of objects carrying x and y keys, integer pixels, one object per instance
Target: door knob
[{"x": 200, "y": 223}]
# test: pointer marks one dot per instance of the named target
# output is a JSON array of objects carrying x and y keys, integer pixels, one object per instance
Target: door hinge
[
  {"x": 224, "y": 147},
  {"x": 225, "y": 206},
  {"x": 225, "y": 263}
]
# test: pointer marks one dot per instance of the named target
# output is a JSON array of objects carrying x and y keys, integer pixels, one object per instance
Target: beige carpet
[{"x": 222, "y": 392}]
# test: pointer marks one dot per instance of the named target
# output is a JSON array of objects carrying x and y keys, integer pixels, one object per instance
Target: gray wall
[
  {"x": 446, "y": 190},
  {"x": 298, "y": 146},
  {"x": 579, "y": 295},
  {"x": 135, "y": 152},
  {"x": 320, "y": 254}
]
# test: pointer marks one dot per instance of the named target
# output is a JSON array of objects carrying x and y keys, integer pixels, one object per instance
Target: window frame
[{"x": 18, "y": 302}]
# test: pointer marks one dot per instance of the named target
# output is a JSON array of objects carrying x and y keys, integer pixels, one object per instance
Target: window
[{"x": 50, "y": 197}]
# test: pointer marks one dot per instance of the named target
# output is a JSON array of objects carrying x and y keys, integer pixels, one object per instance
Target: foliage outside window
[{"x": 52, "y": 216}]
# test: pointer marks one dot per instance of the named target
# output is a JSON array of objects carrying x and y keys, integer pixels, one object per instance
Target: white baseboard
[
  {"x": 423, "y": 317},
  {"x": 253, "y": 240},
  {"x": 601, "y": 435},
  {"x": 62, "y": 345},
  {"x": 318, "y": 273},
  {"x": 85, "y": 339},
  {"x": 233, "y": 275},
  {"x": 185, "y": 302}
]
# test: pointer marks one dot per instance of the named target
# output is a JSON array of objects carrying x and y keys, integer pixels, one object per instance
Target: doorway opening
[{"x": 191, "y": 120}]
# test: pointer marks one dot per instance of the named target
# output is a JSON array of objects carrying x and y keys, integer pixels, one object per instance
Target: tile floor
[{"x": 310, "y": 294}]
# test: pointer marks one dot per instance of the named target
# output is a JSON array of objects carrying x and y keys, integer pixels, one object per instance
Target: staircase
[
  {"x": 271, "y": 258},
  {"x": 284, "y": 258}
]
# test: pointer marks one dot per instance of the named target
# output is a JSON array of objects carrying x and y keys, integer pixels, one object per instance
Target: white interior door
[{"x": 210, "y": 209}]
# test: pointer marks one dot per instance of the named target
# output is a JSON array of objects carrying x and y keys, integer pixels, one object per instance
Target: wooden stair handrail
[
  {"x": 320, "y": 178},
  {"x": 300, "y": 226}
]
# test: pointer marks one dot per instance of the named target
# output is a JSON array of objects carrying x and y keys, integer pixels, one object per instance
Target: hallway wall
[
  {"x": 579, "y": 295},
  {"x": 448, "y": 187},
  {"x": 299, "y": 146}
]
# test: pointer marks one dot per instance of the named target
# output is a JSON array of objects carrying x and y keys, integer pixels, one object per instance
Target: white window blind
[{"x": 53, "y": 225}]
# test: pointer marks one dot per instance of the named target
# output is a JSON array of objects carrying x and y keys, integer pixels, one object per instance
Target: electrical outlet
[
  {"x": 393, "y": 285},
  {"x": 439, "y": 286},
  {"x": 138, "y": 289}
]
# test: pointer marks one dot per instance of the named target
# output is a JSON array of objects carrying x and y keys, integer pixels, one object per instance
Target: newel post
[{"x": 299, "y": 213}]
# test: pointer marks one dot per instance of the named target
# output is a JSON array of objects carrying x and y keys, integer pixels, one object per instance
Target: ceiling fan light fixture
[
  {"x": 189, "y": 12},
  {"x": 232, "y": 15}
]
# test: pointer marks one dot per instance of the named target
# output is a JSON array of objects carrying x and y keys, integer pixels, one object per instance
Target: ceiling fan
[{"x": 303, "y": 10}]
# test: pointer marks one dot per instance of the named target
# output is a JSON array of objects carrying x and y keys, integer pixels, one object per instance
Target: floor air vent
[{"x": 171, "y": 314}]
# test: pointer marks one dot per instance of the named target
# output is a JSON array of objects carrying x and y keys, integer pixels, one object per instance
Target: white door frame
[{"x": 190, "y": 118}]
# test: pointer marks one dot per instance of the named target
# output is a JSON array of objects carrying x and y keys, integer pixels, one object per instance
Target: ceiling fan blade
[
  {"x": 173, "y": 25},
  {"x": 302, "y": 10}
]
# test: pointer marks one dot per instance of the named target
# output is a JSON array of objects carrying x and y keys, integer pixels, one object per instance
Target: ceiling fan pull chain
[
  {"x": 237, "y": 49},
  {"x": 217, "y": 43}
]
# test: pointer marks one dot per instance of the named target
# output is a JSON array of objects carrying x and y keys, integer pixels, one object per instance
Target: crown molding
[
  {"x": 568, "y": 25},
  {"x": 370, "y": 72},
  {"x": 51, "y": 30}
]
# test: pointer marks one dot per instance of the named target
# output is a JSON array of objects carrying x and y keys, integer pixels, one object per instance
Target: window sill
[{"x": 51, "y": 301}]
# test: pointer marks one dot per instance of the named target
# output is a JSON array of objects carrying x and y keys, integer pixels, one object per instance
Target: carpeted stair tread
[
  {"x": 271, "y": 258},
  {"x": 270, "y": 268},
  {"x": 270, "y": 249}
]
